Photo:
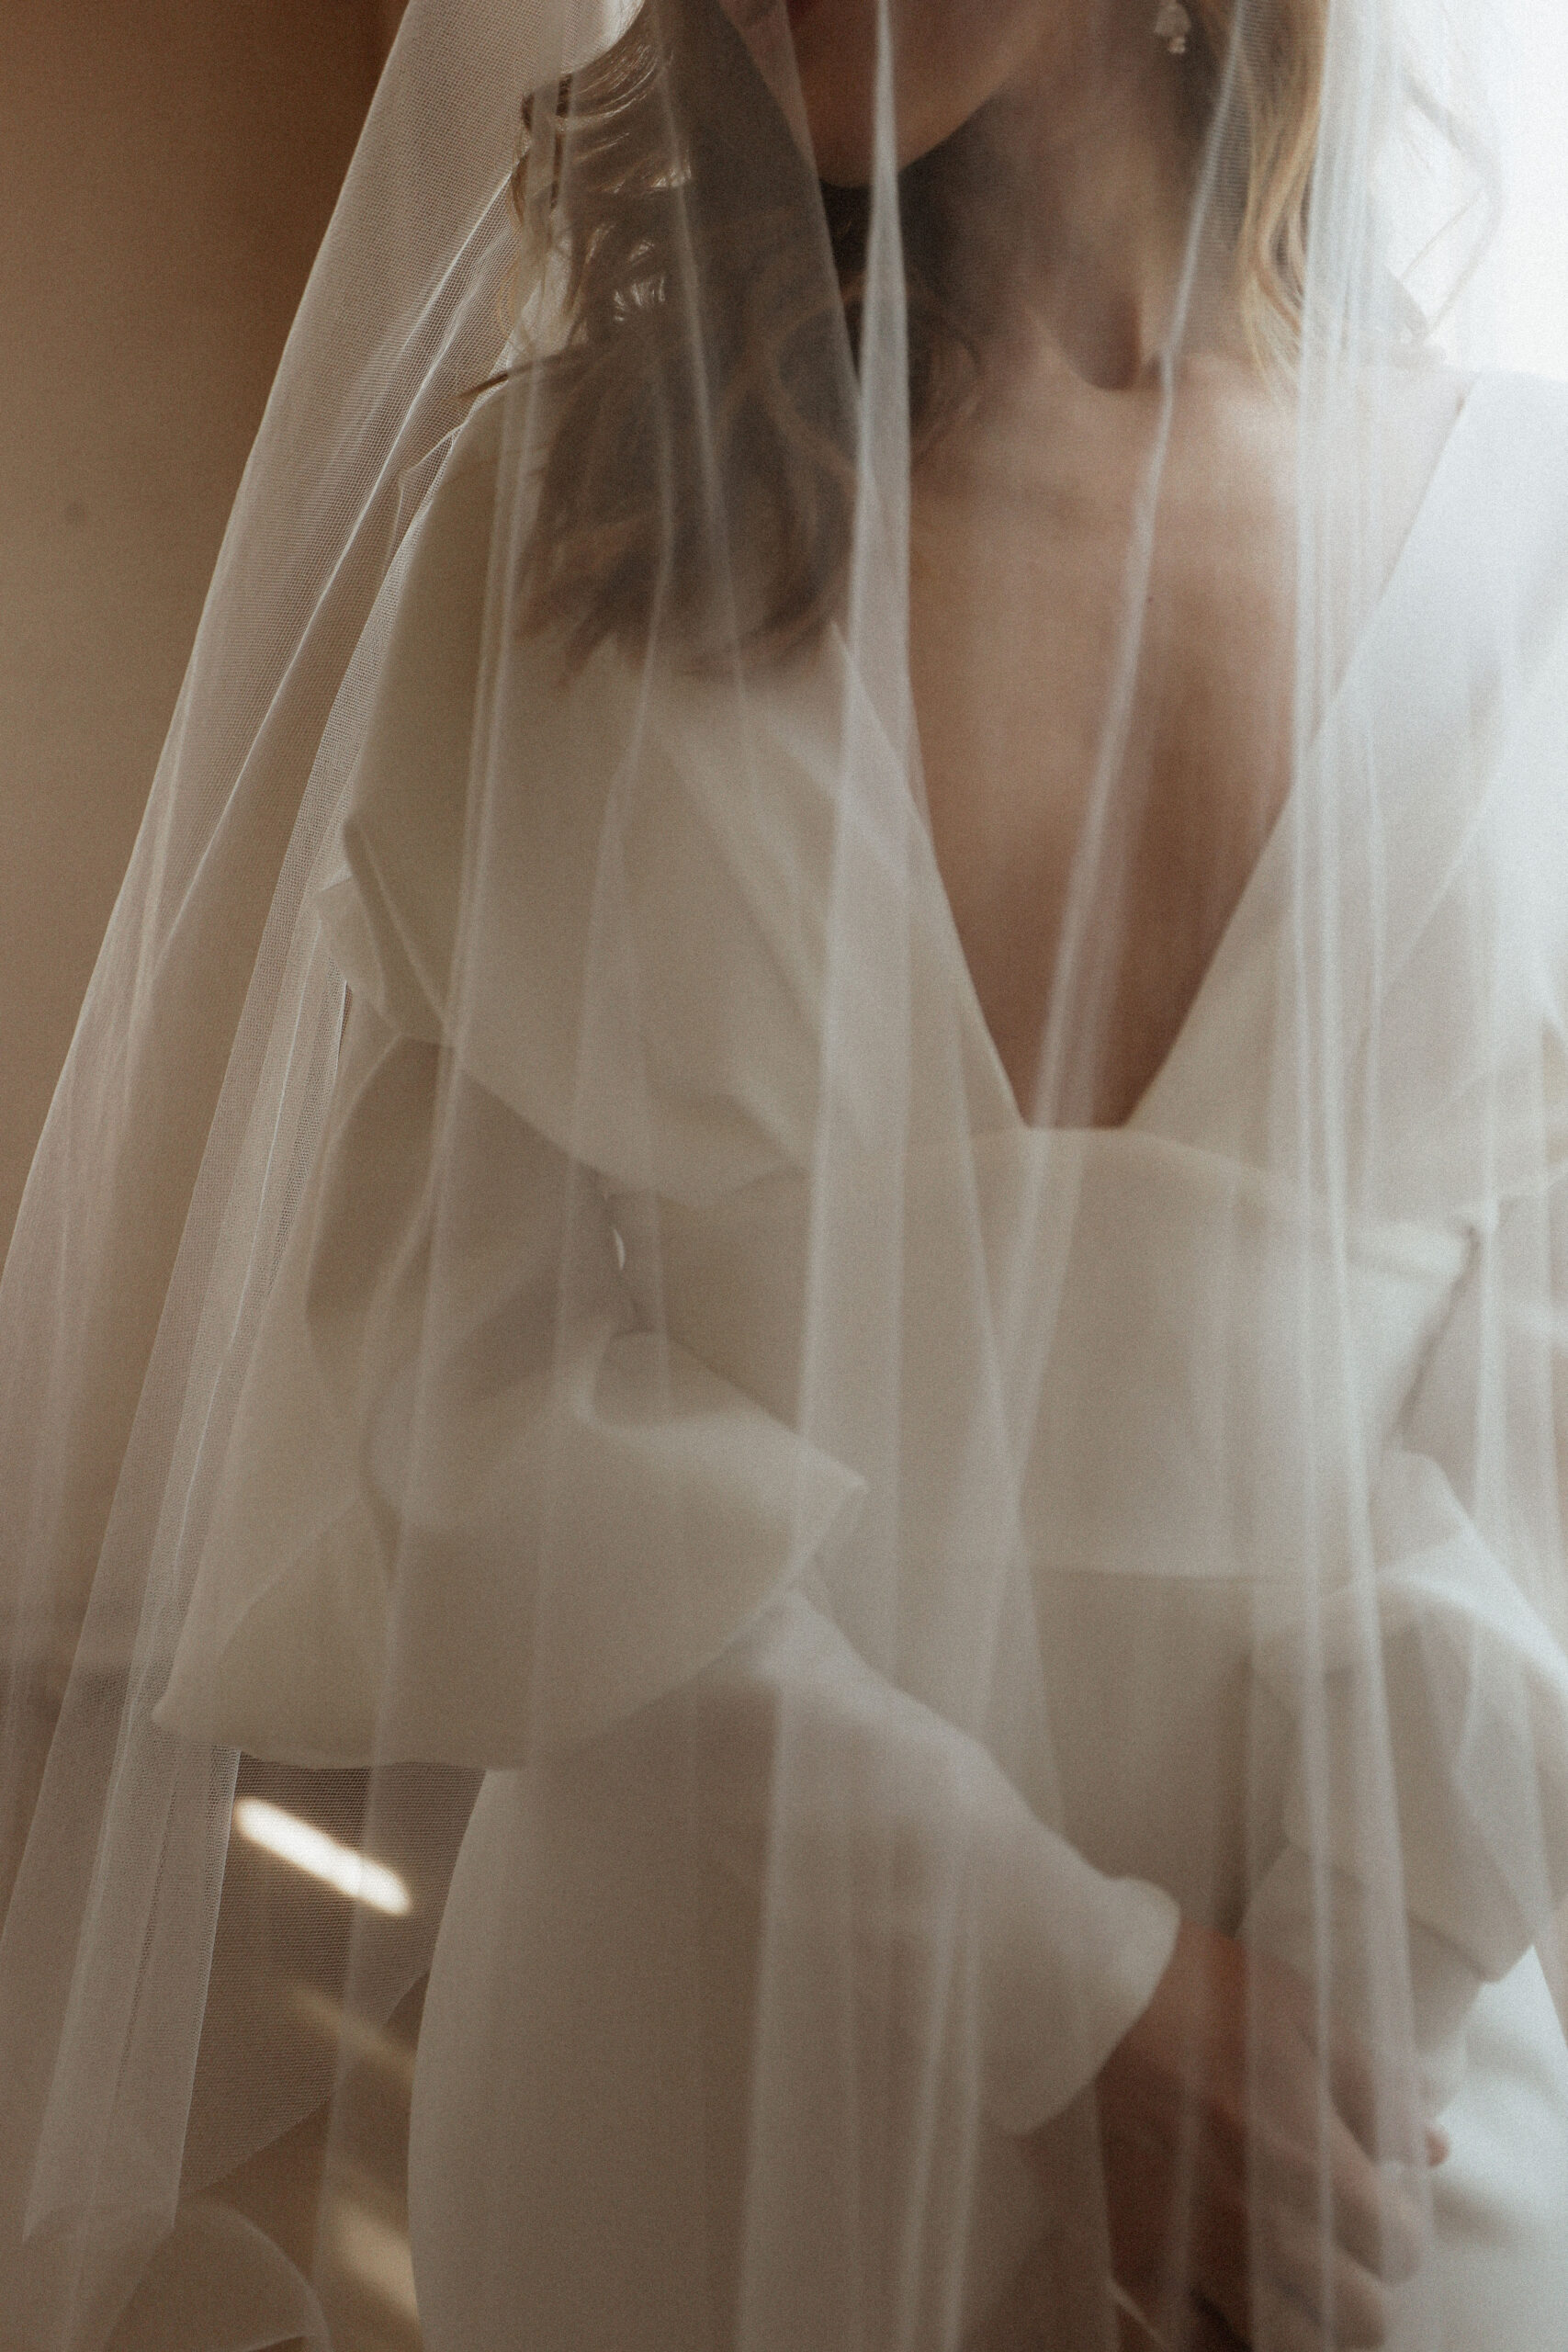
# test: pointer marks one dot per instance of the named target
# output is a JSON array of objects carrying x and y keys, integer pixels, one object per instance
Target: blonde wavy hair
[{"x": 707, "y": 493}]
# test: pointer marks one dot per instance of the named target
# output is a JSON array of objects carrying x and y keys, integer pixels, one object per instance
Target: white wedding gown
[{"x": 581, "y": 2134}]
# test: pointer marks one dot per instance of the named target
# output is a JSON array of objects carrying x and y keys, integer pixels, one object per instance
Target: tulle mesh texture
[{"x": 644, "y": 1561}]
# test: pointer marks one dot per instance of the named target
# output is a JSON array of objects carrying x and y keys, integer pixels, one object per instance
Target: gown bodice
[{"x": 843, "y": 1317}]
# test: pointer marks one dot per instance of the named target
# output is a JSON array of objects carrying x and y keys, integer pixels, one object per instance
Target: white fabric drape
[{"x": 545, "y": 1344}]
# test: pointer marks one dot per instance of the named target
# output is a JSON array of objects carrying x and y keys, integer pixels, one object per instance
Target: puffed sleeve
[
  {"x": 1461, "y": 1682},
  {"x": 907, "y": 1845},
  {"x": 455, "y": 1523}
]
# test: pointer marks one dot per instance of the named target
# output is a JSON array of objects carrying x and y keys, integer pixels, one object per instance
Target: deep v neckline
[{"x": 1244, "y": 917}]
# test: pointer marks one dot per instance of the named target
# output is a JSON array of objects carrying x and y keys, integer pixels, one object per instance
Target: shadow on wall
[{"x": 166, "y": 170}]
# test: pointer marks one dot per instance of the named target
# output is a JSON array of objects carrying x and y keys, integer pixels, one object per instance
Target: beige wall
[{"x": 166, "y": 169}]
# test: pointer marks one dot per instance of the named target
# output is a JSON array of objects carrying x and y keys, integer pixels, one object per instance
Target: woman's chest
[{"x": 1104, "y": 720}]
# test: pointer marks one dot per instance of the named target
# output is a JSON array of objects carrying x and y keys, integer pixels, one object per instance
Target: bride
[{"x": 811, "y": 1203}]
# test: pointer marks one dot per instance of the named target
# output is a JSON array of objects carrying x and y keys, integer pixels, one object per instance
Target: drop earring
[{"x": 1172, "y": 24}]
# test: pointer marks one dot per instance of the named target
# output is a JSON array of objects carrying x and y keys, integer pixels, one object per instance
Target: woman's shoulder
[
  {"x": 510, "y": 812},
  {"x": 444, "y": 543}
]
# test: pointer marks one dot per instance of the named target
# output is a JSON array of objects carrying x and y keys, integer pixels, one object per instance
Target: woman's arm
[
  {"x": 1440, "y": 1712},
  {"x": 469, "y": 1509}
]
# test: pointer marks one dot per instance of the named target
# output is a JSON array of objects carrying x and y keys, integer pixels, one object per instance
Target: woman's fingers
[
  {"x": 1370, "y": 2212},
  {"x": 1376, "y": 2220},
  {"x": 1369, "y": 2209},
  {"x": 1350, "y": 2304},
  {"x": 1380, "y": 2102},
  {"x": 1353, "y": 2085},
  {"x": 1347, "y": 2300},
  {"x": 1380, "y": 2099},
  {"x": 1256, "y": 2153}
]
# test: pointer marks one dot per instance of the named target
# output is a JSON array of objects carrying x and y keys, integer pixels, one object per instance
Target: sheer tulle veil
[{"x": 569, "y": 1427}]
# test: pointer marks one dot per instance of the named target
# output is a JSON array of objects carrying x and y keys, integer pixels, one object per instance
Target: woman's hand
[{"x": 1223, "y": 2162}]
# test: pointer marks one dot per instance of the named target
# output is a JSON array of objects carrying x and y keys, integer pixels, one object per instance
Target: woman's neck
[{"x": 1108, "y": 169}]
